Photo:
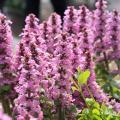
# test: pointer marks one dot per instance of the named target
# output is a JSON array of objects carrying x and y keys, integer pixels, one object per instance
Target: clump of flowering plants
[{"x": 62, "y": 71}]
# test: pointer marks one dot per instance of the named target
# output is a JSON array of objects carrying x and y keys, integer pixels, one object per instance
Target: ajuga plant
[
  {"x": 105, "y": 39},
  {"x": 81, "y": 60},
  {"x": 64, "y": 57},
  {"x": 84, "y": 19},
  {"x": 112, "y": 36},
  {"x": 70, "y": 19},
  {"x": 112, "y": 44},
  {"x": 95, "y": 89},
  {"x": 31, "y": 28},
  {"x": 85, "y": 38},
  {"x": 27, "y": 104},
  {"x": 7, "y": 75},
  {"x": 69, "y": 26},
  {"x": 53, "y": 58},
  {"x": 99, "y": 21},
  {"x": 83, "y": 23},
  {"x": 100, "y": 15},
  {"x": 32, "y": 24},
  {"x": 45, "y": 84},
  {"x": 58, "y": 51},
  {"x": 30, "y": 52}
]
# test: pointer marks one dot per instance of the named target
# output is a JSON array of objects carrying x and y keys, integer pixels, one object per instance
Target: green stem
[
  {"x": 6, "y": 105},
  {"x": 80, "y": 91},
  {"x": 111, "y": 89},
  {"x": 109, "y": 83},
  {"x": 91, "y": 95},
  {"x": 106, "y": 61},
  {"x": 107, "y": 80},
  {"x": 50, "y": 115},
  {"x": 60, "y": 113}
]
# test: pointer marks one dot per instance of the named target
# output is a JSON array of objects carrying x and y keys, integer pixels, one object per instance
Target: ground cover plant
[{"x": 63, "y": 69}]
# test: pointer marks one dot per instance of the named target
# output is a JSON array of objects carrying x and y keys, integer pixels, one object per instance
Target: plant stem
[
  {"x": 106, "y": 61},
  {"x": 60, "y": 113},
  {"x": 91, "y": 95},
  {"x": 6, "y": 105},
  {"x": 60, "y": 110},
  {"x": 80, "y": 91}
]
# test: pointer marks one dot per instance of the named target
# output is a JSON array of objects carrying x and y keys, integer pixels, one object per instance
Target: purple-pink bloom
[
  {"x": 32, "y": 24},
  {"x": 100, "y": 16},
  {"x": 84, "y": 19},
  {"x": 112, "y": 35},
  {"x": 7, "y": 71},
  {"x": 70, "y": 18},
  {"x": 6, "y": 64},
  {"x": 63, "y": 58},
  {"x": 27, "y": 105},
  {"x": 54, "y": 29}
]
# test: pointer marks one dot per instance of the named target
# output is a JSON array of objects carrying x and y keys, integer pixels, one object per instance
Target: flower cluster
[
  {"x": 63, "y": 53},
  {"x": 6, "y": 65},
  {"x": 7, "y": 71},
  {"x": 112, "y": 36},
  {"x": 70, "y": 19},
  {"x": 27, "y": 104},
  {"x": 28, "y": 58},
  {"x": 100, "y": 16}
]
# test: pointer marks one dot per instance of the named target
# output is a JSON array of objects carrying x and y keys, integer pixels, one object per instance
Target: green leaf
[
  {"x": 6, "y": 88},
  {"x": 96, "y": 111},
  {"x": 109, "y": 117},
  {"x": 83, "y": 77},
  {"x": 96, "y": 105},
  {"x": 95, "y": 117},
  {"x": 89, "y": 101}
]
